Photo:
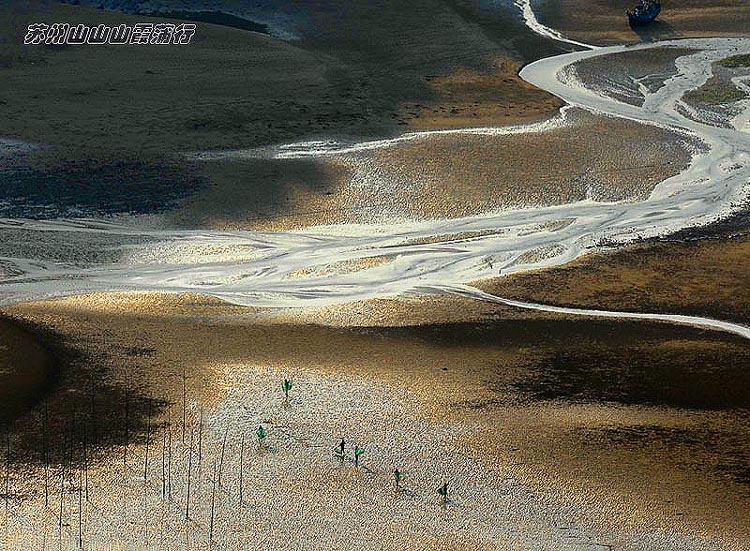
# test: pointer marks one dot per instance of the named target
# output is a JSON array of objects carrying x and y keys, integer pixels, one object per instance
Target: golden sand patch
[
  {"x": 707, "y": 278},
  {"x": 146, "y": 304},
  {"x": 467, "y": 97}
]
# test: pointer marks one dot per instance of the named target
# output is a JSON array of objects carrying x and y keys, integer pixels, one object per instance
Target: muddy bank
[
  {"x": 703, "y": 278},
  {"x": 27, "y": 371}
]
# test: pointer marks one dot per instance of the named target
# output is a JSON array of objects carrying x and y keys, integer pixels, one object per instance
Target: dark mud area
[
  {"x": 44, "y": 188},
  {"x": 712, "y": 376},
  {"x": 600, "y": 361},
  {"x": 215, "y": 18},
  {"x": 77, "y": 413},
  {"x": 720, "y": 451}
]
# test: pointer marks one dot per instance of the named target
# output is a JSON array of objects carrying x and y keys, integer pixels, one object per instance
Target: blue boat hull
[{"x": 645, "y": 16}]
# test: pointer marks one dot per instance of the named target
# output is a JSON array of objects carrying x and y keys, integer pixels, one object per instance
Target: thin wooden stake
[
  {"x": 127, "y": 428},
  {"x": 86, "y": 464},
  {"x": 164, "y": 465},
  {"x": 169, "y": 470},
  {"x": 184, "y": 400},
  {"x": 190, "y": 469},
  {"x": 46, "y": 453},
  {"x": 200, "y": 446},
  {"x": 7, "y": 470},
  {"x": 223, "y": 448},
  {"x": 242, "y": 463},
  {"x": 213, "y": 507},
  {"x": 93, "y": 409},
  {"x": 62, "y": 490},
  {"x": 80, "y": 509},
  {"x": 148, "y": 441}
]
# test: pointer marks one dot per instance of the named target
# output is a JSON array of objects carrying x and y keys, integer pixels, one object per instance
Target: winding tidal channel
[{"x": 281, "y": 269}]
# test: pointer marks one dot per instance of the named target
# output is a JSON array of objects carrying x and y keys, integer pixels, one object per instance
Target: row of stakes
[
  {"x": 261, "y": 433},
  {"x": 340, "y": 451}
]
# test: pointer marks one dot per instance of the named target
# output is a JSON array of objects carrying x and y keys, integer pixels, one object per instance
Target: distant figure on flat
[
  {"x": 398, "y": 476},
  {"x": 443, "y": 493},
  {"x": 340, "y": 450},
  {"x": 357, "y": 452},
  {"x": 645, "y": 12},
  {"x": 286, "y": 386}
]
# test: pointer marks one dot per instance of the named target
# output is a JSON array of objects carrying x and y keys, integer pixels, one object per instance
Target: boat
[{"x": 645, "y": 12}]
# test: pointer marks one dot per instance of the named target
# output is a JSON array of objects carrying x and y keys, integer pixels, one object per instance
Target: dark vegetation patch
[
  {"x": 716, "y": 91},
  {"x": 736, "y": 61}
]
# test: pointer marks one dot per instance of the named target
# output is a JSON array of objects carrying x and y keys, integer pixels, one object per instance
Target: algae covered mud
[{"x": 337, "y": 264}]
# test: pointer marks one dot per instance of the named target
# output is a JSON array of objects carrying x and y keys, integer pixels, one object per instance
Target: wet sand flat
[
  {"x": 437, "y": 176},
  {"x": 621, "y": 75},
  {"x": 613, "y": 425},
  {"x": 591, "y": 157}
]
